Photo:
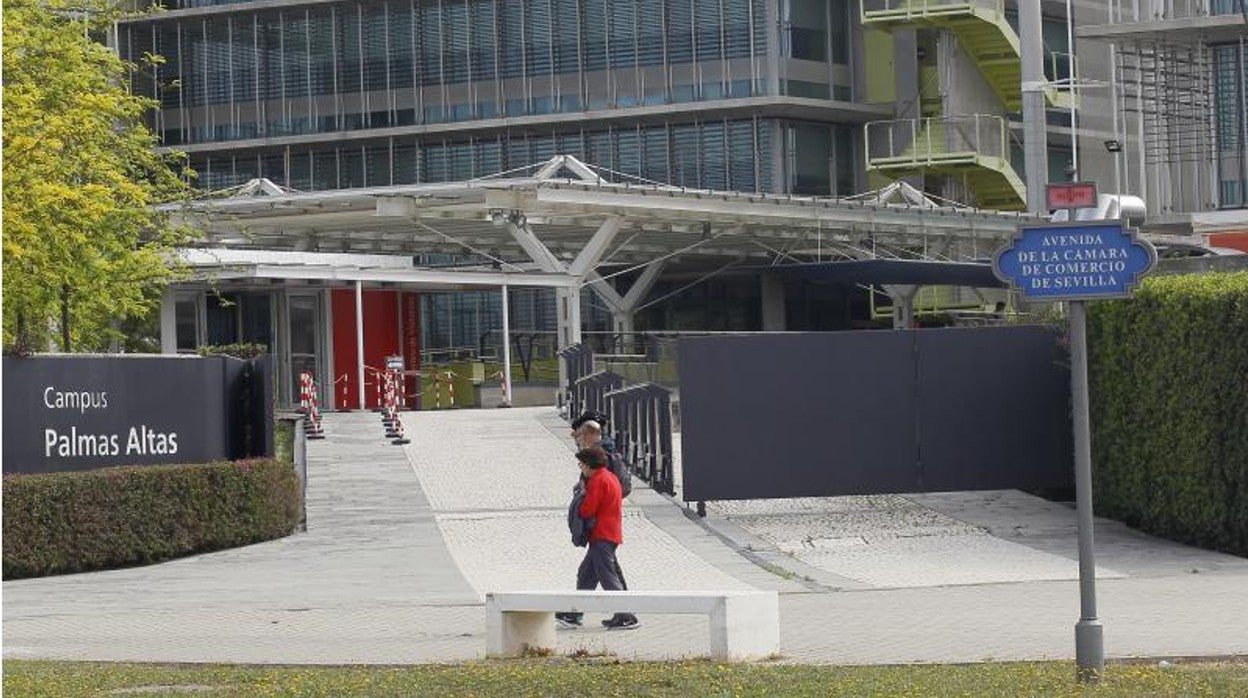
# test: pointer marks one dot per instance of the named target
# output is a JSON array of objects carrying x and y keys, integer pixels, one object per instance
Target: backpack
[{"x": 615, "y": 463}]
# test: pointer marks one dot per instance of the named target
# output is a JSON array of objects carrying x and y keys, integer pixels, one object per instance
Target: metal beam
[
  {"x": 593, "y": 251},
  {"x": 538, "y": 252},
  {"x": 604, "y": 290},
  {"x": 415, "y": 277},
  {"x": 771, "y": 212},
  {"x": 641, "y": 287}
]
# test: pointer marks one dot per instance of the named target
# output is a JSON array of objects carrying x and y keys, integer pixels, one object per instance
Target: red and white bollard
[
  {"x": 312, "y": 426},
  {"x": 344, "y": 397},
  {"x": 305, "y": 380},
  {"x": 399, "y": 439},
  {"x": 396, "y": 432},
  {"x": 450, "y": 388},
  {"x": 391, "y": 416}
]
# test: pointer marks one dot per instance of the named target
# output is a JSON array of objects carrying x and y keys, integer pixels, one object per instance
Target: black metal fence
[
  {"x": 589, "y": 392},
  {"x": 640, "y": 422},
  {"x": 639, "y": 416},
  {"x": 577, "y": 361}
]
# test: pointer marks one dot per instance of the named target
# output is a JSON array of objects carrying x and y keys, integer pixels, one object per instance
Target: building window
[
  {"x": 713, "y": 154},
  {"x": 365, "y": 65},
  {"x": 1231, "y": 148},
  {"x": 186, "y": 317},
  {"x": 820, "y": 159},
  {"x": 807, "y": 25}
]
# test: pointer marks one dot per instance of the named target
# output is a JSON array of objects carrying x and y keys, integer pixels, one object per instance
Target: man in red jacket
[{"x": 604, "y": 505}]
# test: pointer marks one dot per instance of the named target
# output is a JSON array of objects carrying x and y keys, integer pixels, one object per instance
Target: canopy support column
[{"x": 359, "y": 339}]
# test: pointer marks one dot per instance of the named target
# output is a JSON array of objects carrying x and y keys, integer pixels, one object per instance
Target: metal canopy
[
  {"x": 562, "y": 205},
  {"x": 905, "y": 272},
  {"x": 1212, "y": 29}
]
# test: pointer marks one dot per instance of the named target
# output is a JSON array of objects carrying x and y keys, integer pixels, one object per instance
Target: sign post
[{"x": 1077, "y": 262}]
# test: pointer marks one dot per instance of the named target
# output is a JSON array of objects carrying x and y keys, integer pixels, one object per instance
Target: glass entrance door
[{"x": 306, "y": 340}]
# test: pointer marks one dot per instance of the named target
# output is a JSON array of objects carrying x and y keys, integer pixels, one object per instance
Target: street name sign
[
  {"x": 1077, "y": 262},
  {"x": 1074, "y": 261}
]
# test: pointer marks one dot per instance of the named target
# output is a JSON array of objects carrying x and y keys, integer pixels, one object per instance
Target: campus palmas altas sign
[{"x": 83, "y": 412}]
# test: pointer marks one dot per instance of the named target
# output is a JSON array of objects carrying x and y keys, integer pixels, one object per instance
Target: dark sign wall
[
  {"x": 84, "y": 412},
  {"x": 836, "y": 413}
]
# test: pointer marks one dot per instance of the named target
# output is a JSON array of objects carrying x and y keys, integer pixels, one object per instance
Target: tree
[{"x": 84, "y": 245}]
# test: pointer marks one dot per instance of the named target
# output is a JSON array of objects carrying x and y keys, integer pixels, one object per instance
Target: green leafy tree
[{"x": 85, "y": 249}]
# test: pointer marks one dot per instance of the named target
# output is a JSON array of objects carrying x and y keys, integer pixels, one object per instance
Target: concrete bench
[{"x": 744, "y": 624}]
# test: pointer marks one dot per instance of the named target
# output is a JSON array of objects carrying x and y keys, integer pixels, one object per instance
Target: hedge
[
  {"x": 114, "y": 517},
  {"x": 1168, "y": 379}
]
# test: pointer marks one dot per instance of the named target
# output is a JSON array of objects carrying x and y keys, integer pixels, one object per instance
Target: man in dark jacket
[
  {"x": 604, "y": 505},
  {"x": 607, "y": 443},
  {"x": 592, "y": 433}
]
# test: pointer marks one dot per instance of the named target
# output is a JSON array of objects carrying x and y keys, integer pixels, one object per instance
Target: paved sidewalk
[{"x": 402, "y": 543}]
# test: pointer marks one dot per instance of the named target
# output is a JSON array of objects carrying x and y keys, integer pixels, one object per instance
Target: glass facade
[
  {"x": 328, "y": 67},
  {"x": 1231, "y": 123},
  {"x": 720, "y": 154},
  {"x": 462, "y": 325},
  {"x": 334, "y": 95}
]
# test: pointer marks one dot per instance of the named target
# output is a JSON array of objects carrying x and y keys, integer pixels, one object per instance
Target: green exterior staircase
[
  {"x": 973, "y": 148},
  {"x": 982, "y": 31}
]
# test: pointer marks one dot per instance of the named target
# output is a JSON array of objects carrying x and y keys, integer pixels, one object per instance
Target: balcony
[{"x": 973, "y": 148}]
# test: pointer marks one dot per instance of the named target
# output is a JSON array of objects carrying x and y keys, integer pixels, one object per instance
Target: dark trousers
[{"x": 601, "y": 567}]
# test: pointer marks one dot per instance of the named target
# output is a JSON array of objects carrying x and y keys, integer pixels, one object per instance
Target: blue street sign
[{"x": 1074, "y": 261}]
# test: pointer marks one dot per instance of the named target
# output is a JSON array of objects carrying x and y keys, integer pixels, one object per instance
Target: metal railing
[
  {"x": 589, "y": 392},
  {"x": 640, "y": 422},
  {"x": 1060, "y": 67},
  {"x": 911, "y": 9},
  {"x": 639, "y": 417},
  {"x": 930, "y": 140},
  {"x": 576, "y": 362}
]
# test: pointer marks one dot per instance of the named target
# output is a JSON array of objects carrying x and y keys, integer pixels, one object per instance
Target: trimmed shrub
[
  {"x": 240, "y": 350},
  {"x": 114, "y": 517},
  {"x": 1168, "y": 375}
]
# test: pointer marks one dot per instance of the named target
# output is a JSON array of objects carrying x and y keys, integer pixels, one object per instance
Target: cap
[{"x": 590, "y": 415}]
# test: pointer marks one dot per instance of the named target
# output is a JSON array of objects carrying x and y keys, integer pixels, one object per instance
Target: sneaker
[
  {"x": 621, "y": 622},
  {"x": 568, "y": 620}
]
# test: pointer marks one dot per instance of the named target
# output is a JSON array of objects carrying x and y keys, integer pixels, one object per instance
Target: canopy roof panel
[
  {"x": 909, "y": 272},
  {"x": 564, "y": 202}
]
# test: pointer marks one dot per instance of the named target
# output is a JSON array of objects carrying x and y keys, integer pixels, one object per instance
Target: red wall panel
[
  {"x": 381, "y": 339},
  {"x": 1235, "y": 240}
]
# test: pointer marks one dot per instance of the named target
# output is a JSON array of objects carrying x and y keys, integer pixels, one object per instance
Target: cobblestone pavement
[{"x": 402, "y": 543}]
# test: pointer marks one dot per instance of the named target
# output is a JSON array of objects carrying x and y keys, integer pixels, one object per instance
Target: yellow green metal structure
[
  {"x": 982, "y": 31},
  {"x": 973, "y": 149}
]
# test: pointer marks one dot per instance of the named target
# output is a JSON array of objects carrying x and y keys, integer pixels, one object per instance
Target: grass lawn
[{"x": 603, "y": 676}]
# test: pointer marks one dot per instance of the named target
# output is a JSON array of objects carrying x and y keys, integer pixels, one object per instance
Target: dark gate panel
[
  {"x": 993, "y": 409},
  {"x": 838, "y": 413},
  {"x": 793, "y": 415}
]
